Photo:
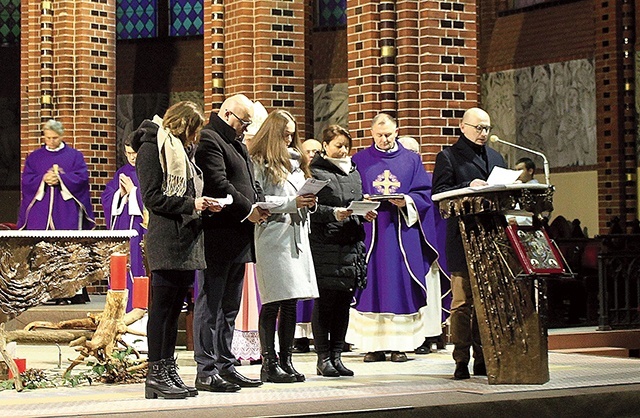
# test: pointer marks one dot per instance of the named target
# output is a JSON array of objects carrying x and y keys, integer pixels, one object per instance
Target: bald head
[
  {"x": 237, "y": 112},
  {"x": 311, "y": 147},
  {"x": 476, "y": 125}
]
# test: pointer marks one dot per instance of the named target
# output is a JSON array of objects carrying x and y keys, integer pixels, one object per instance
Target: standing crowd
[{"x": 209, "y": 201}]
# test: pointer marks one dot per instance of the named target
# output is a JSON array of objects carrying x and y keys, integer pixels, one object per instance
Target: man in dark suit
[
  {"x": 467, "y": 163},
  {"x": 228, "y": 237}
]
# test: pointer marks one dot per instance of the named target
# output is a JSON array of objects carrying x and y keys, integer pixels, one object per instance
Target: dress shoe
[
  {"x": 240, "y": 380},
  {"x": 462, "y": 372},
  {"x": 398, "y": 357},
  {"x": 373, "y": 356},
  {"x": 424, "y": 348},
  {"x": 215, "y": 383},
  {"x": 479, "y": 369}
]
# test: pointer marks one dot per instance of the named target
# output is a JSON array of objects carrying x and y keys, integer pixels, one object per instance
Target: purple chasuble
[
  {"x": 122, "y": 218},
  {"x": 399, "y": 257},
  {"x": 65, "y": 206}
]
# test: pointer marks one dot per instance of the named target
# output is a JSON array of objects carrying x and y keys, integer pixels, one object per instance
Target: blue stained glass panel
[
  {"x": 331, "y": 14},
  {"x": 186, "y": 17},
  {"x": 9, "y": 22},
  {"x": 136, "y": 19}
]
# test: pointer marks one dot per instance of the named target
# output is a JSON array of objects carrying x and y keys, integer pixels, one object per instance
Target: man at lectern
[{"x": 467, "y": 163}]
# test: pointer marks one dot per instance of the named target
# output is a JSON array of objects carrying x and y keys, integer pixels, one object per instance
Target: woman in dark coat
[
  {"x": 337, "y": 245},
  {"x": 171, "y": 190}
]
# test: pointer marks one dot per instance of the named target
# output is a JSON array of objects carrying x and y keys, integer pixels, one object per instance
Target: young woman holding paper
[
  {"x": 337, "y": 245},
  {"x": 284, "y": 267}
]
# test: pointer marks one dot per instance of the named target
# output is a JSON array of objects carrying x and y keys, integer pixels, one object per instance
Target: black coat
[
  {"x": 227, "y": 169},
  {"x": 337, "y": 246},
  {"x": 174, "y": 235},
  {"x": 456, "y": 167}
]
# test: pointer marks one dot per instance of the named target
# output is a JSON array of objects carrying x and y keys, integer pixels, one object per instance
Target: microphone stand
[{"x": 494, "y": 138}]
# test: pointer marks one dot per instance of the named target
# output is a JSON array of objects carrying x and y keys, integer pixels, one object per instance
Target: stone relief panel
[
  {"x": 550, "y": 108},
  {"x": 330, "y": 106}
]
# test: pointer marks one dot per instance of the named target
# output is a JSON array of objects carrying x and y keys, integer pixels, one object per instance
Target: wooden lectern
[{"x": 505, "y": 262}]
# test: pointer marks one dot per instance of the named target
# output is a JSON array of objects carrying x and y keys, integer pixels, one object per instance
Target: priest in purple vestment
[
  {"x": 55, "y": 186},
  {"x": 402, "y": 302},
  {"x": 123, "y": 209}
]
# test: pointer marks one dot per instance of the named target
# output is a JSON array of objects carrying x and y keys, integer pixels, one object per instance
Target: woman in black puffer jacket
[{"x": 337, "y": 245}]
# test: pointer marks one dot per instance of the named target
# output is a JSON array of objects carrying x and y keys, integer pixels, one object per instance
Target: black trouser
[
  {"x": 162, "y": 326},
  {"x": 286, "y": 326},
  {"x": 330, "y": 320}
]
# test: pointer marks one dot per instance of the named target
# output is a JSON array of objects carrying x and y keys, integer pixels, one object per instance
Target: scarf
[
  {"x": 343, "y": 164},
  {"x": 174, "y": 161}
]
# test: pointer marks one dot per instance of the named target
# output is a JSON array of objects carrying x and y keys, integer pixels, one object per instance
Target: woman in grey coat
[
  {"x": 337, "y": 244},
  {"x": 284, "y": 267},
  {"x": 171, "y": 191}
]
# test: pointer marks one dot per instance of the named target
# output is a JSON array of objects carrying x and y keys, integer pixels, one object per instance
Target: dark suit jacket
[
  {"x": 456, "y": 167},
  {"x": 227, "y": 169}
]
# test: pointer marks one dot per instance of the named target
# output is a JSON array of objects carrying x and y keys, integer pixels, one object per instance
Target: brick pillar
[
  {"x": 213, "y": 55},
  {"x": 266, "y": 55},
  {"x": 69, "y": 74},
  {"x": 434, "y": 75},
  {"x": 615, "y": 102}
]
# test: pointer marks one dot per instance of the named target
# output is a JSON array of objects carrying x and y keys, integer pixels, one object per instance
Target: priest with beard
[{"x": 403, "y": 300}]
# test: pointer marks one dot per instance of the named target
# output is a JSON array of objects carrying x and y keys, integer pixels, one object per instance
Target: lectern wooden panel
[{"x": 507, "y": 298}]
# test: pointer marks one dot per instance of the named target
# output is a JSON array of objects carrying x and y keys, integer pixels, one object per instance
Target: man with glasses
[
  {"x": 467, "y": 163},
  {"x": 228, "y": 240}
]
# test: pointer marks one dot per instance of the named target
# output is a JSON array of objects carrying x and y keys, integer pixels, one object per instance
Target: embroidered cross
[{"x": 386, "y": 183}]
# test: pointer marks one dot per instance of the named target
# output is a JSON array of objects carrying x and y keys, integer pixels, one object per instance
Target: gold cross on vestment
[{"x": 387, "y": 183}]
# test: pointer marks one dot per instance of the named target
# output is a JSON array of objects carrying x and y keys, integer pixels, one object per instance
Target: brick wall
[{"x": 416, "y": 60}]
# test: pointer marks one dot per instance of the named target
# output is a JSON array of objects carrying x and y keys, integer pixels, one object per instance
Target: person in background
[
  {"x": 228, "y": 240},
  {"x": 123, "y": 209},
  {"x": 467, "y": 163},
  {"x": 337, "y": 245},
  {"x": 409, "y": 143},
  {"x": 171, "y": 187},
  {"x": 311, "y": 147},
  {"x": 55, "y": 190},
  {"x": 528, "y": 168},
  {"x": 392, "y": 312},
  {"x": 284, "y": 266}
]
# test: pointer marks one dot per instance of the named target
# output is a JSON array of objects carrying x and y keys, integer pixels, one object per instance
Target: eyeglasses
[
  {"x": 480, "y": 128},
  {"x": 244, "y": 123}
]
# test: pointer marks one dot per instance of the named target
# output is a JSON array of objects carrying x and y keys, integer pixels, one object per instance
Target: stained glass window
[
  {"x": 331, "y": 14},
  {"x": 136, "y": 19},
  {"x": 185, "y": 17},
  {"x": 9, "y": 21}
]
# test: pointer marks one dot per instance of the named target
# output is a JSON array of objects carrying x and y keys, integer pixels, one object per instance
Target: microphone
[{"x": 494, "y": 138}]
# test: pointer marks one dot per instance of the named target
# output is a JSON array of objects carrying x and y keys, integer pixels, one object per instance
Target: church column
[
  {"x": 213, "y": 55},
  {"x": 68, "y": 62},
  {"x": 408, "y": 69},
  {"x": 387, "y": 45},
  {"x": 617, "y": 159}
]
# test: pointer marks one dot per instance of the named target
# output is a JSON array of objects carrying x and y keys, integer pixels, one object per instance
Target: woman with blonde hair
[
  {"x": 171, "y": 188},
  {"x": 284, "y": 266}
]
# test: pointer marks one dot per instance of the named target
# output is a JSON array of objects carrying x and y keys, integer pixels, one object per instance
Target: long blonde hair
[
  {"x": 269, "y": 150},
  {"x": 184, "y": 120}
]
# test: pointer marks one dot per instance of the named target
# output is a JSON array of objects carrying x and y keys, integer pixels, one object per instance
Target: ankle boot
[
  {"x": 324, "y": 366},
  {"x": 160, "y": 385},
  {"x": 287, "y": 366},
  {"x": 172, "y": 370},
  {"x": 272, "y": 372},
  {"x": 336, "y": 360}
]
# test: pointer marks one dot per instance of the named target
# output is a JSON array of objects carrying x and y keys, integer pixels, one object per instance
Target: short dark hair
[
  {"x": 333, "y": 131},
  {"x": 528, "y": 163}
]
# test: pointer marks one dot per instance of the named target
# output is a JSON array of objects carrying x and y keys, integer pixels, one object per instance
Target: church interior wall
[{"x": 576, "y": 197}]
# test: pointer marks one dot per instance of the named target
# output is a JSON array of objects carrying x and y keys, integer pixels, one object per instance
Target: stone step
[{"x": 597, "y": 351}]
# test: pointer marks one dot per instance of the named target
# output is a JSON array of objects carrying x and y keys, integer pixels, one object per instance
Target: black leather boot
[
  {"x": 336, "y": 360},
  {"x": 160, "y": 385},
  {"x": 287, "y": 366},
  {"x": 172, "y": 370},
  {"x": 271, "y": 370},
  {"x": 325, "y": 367}
]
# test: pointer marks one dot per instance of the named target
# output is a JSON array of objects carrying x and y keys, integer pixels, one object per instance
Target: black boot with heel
[{"x": 159, "y": 383}]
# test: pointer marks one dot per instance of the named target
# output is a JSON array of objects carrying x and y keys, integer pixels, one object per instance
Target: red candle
[
  {"x": 118, "y": 279},
  {"x": 140, "y": 292},
  {"x": 21, "y": 363}
]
